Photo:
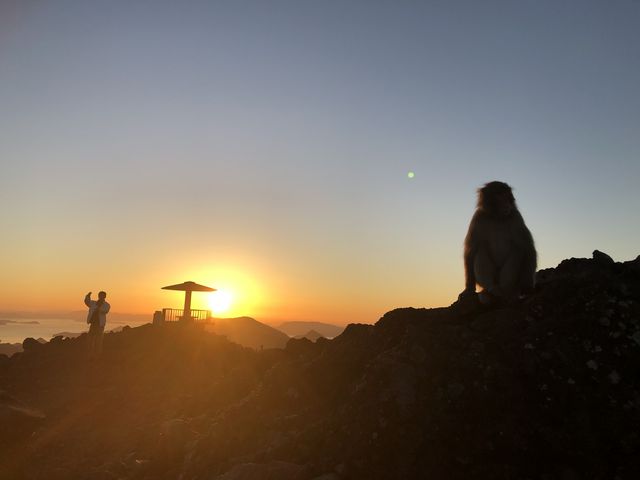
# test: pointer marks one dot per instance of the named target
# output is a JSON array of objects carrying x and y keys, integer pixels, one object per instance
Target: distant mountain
[
  {"x": 10, "y": 348},
  {"x": 248, "y": 332},
  {"x": 67, "y": 334},
  {"x": 295, "y": 329},
  {"x": 312, "y": 335}
]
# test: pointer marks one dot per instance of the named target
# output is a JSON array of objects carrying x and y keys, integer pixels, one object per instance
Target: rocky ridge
[{"x": 543, "y": 390}]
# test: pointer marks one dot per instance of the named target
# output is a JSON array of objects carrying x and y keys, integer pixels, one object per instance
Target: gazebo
[{"x": 187, "y": 313}]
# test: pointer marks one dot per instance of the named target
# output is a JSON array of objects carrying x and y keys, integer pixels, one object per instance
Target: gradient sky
[{"x": 263, "y": 146}]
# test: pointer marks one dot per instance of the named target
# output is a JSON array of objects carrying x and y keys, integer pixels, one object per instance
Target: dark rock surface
[
  {"x": 547, "y": 389},
  {"x": 31, "y": 344}
]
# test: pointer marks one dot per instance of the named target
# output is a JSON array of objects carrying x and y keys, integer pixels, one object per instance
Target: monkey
[{"x": 499, "y": 251}]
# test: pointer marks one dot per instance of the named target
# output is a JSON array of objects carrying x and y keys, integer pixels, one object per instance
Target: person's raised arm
[{"x": 87, "y": 299}]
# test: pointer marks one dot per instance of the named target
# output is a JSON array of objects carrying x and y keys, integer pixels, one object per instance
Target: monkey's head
[{"x": 496, "y": 199}]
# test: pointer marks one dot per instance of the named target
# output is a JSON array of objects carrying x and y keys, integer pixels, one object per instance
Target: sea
[{"x": 15, "y": 329}]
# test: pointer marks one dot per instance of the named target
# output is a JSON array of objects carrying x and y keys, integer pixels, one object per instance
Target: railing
[{"x": 174, "y": 315}]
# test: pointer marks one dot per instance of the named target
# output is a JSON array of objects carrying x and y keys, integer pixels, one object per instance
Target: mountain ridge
[
  {"x": 545, "y": 389},
  {"x": 248, "y": 331},
  {"x": 298, "y": 327}
]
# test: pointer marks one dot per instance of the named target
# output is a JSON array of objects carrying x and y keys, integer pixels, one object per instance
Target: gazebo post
[
  {"x": 186, "y": 313},
  {"x": 187, "y": 288}
]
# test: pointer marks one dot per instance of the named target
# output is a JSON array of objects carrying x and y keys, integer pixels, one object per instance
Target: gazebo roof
[{"x": 189, "y": 287}]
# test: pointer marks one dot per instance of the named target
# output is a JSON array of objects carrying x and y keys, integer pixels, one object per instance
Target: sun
[{"x": 220, "y": 301}]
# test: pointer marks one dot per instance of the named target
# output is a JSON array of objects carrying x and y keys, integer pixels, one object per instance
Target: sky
[{"x": 264, "y": 147}]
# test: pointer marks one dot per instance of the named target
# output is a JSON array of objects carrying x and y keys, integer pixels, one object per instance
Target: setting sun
[{"x": 220, "y": 301}]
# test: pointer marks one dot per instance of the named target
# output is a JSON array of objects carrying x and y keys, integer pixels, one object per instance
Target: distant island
[{"x": 26, "y": 322}]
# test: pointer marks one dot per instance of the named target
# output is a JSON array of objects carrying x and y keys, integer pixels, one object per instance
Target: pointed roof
[{"x": 189, "y": 287}]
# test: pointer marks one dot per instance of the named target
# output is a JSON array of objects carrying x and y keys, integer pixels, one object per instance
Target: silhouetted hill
[
  {"x": 249, "y": 332},
  {"x": 294, "y": 329},
  {"x": 311, "y": 335},
  {"x": 10, "y": 348},
  {"x": 548, "y": 389},
  {"x": 68, "y": 334},
  {"x": 94, "y": 414}
]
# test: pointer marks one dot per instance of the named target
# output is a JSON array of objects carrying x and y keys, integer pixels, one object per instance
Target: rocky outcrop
[
  {"x": 31, "y": 344},
  {"x": 546, "y": 389}
]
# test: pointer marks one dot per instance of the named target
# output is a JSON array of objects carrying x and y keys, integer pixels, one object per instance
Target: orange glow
[
  {"x": 238, "y": 292},
  {"x": 220, "y": 301},
  {"x": 264, "y": 286}
]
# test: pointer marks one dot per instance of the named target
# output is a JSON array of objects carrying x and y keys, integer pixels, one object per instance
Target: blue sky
[{"x": 274, "y": 139}]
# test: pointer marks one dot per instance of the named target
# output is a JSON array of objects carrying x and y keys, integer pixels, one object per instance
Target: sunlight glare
[{"x": 220, "y": 301}]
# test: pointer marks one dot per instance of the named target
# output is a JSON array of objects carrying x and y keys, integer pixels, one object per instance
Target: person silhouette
[{"x": 97, "y": 319}]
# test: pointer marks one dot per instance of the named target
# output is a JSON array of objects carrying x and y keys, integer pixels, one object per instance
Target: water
[{"x": 15, "y": 330}]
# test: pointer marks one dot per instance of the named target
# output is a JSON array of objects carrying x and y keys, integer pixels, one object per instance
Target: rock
[
  {"x": 602, "y": 258},
  {"x": 544, "y": 276},
  {"x": 18, "y": 421},
  {"x": 454, "y": 390},
  {"x": 300, "y": 346},
  {"x": 466, "y": 304},
  {"x": 175, "y": 433},
  {"x": 614, "y": 377},
  {"x": 633, "y": 265},
  {"x": 277, "y": 470},
  {"x": 327, "y": 476},
  {"x": 423, "y": 393},
  {"x": 417, "y": 354},
  {"x": 31, "y": 344}
]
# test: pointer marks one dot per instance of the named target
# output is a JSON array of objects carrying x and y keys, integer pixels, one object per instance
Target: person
[{"x": 97, "y": 319}]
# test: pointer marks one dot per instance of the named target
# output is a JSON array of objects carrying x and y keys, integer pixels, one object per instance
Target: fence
[{"x": 174, "y": 314}]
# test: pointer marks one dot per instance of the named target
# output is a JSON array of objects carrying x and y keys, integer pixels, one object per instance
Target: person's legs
[
  {"x": 98, "y": 341},
  {"x": 92, "y": 340}
]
